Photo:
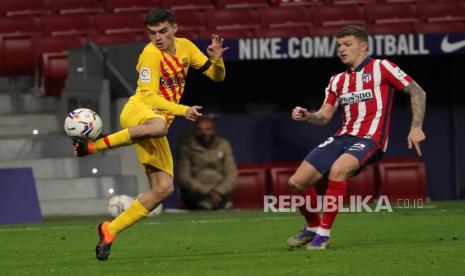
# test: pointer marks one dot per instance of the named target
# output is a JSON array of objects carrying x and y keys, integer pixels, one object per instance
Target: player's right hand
[
  {"x": 193, "y": 113},
  {"x": 299, "y": 113}
]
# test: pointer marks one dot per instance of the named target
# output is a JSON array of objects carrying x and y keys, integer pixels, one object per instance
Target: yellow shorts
[{"x": 151, "y": 152}]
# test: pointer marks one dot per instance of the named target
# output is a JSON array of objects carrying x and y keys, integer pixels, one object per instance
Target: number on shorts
[{"x": 325, "y": 143}]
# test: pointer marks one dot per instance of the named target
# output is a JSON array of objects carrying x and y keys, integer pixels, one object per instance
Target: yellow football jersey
[{"x": 162, "y": 76}]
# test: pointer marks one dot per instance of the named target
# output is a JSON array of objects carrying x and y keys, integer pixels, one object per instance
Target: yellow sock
[
  {"x": 118, "y": 139},
  {"x": 132, "y": 215}
]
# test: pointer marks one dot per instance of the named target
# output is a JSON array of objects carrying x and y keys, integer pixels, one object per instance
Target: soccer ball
[
  {"x": 118, "y": 204},
  {"x": 83, "y": 124},
  {"x": 157, "y": 211}
]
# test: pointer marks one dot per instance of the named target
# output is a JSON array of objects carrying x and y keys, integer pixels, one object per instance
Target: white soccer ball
[
  {"x": 157, "y": 211},
  {"x": 118, "y": 204},
  {"x": 84, "y": 124}
]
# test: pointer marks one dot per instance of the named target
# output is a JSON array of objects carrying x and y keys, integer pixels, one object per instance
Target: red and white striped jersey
[{"x": 365, "y": 96}]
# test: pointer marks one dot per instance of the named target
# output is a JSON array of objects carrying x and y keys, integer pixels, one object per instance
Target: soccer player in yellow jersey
[{"x": 146, "y": 117}]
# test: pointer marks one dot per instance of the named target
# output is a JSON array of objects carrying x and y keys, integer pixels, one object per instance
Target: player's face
[
  {"x": 351, "y": 50},
  {"x": 162, "y": 35},
  {"x": 205, "y": 127}
]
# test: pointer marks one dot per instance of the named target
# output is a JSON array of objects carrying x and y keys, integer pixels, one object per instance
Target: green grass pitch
[{"x": 428, "y": 241}]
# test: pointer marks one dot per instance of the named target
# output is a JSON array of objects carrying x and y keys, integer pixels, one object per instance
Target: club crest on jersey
[
  {"x": 366, "y": 77},
  {"x": 144, "y": 75},
  {"x": 356, "y": 97},
  {"x": 184, "y": 62}
]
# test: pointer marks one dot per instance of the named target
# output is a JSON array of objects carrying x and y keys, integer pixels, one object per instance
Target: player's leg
[
  {"x": 359, "y": 151},
  {"x": 310, "y": 172},
  {"x": 138, "y": 122}
]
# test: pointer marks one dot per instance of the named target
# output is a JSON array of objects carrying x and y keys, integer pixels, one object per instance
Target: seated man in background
[{"x": 207, "y": 171}]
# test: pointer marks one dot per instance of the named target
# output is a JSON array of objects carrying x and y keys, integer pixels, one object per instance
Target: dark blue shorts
[{"x": 323, "y": 156}]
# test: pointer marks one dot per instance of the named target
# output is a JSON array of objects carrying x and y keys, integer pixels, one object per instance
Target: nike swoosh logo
[{"x": 448, "y": 47}]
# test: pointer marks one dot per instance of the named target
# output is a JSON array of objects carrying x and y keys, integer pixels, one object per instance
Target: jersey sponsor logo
[
  {"x": 144, "y": 75},
  {"x": 366, "y": 77},
  {"x": 399, "y": 73},
  {"x": 448, "y": 47},
  {"x": 175, "y": 80},
  {"x": 356, "y": 97}
]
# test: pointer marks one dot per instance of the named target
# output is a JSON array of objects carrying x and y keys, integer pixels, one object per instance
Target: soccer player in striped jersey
[
  {"x": 364, "y": 92},
  {"x": 146, "y": 117}
]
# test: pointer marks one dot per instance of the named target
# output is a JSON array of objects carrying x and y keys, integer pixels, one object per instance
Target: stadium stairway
[{"x": 65, "y": 185}]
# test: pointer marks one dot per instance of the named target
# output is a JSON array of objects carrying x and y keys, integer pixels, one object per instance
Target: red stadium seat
[
  {"x": 324, "y": 30},
  {"x": 103, "y": 39},
  {"x": 120, "y": 22},
  {"x": 22, "y": 7},
  {"x": 231, "y": 19},
  {"x": 67, "y": 24},
  {"x": 393, "y": 28},
  {"x": 227, "y": 34},
  {"x": 439, "y": 27},
  {"x": 54, "y": 69},
  {"x": 189, "y": 34},
  {"x": 351, "y": 2},
  {"x": 279, "y": 16},
  {"x": 250, "y": 189},
  {"x": 75, "y": 6},
  {"x": 279, "y": 180},
  {"x": 390, "y": 13},
  {"x": 190, "y": 20},
  {"x": 442, "y": 11},
  {"x": 52, "y": 44},
  {"x": 338, "y": 15},
  {"x": 281, "y": 32},
  {"x": 131, "y": 5},
  {"x": 244, "y": 4},
  {"x": 363, "y": 184},
  {"x": 188, "y": 4},
  {"x": 296, "y": 3},
  {"x": 402, "y": 178},
  {"x": 19, "y": 25},
  {"x": 17, "y": 55}
]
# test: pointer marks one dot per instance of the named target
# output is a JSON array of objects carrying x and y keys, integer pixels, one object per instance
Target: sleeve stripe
[
  {"x": 205, "y": 66},
  {"x": 391, "y": 70}
]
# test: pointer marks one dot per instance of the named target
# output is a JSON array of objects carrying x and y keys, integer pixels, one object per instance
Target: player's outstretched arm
[
  {"x": 320, "y": 117},
  {"x": 418, "y": 103},
  {"x": 215, "y": 50}
]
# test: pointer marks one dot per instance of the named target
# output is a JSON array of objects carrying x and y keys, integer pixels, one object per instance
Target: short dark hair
[
  {"x": 357, "y": 31},
  {"x": 159, "y": 15}
]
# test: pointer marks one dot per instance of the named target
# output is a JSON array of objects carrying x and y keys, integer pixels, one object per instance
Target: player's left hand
[
  {"x": 415, "y": 137},
  {"x": 216, "y": 50}
]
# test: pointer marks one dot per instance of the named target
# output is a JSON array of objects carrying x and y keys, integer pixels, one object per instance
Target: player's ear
[
  {"x": 175, "y": 27},
  {"x": 364, "y": 46}
]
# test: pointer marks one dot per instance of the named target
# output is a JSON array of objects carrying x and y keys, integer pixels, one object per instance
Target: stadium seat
[
  {"x": 190, "y": 20},
  {"x": 17, "y": 55},
  {"x": 289, "y": 16},
  {"x": 250, "y": 189},
  {"x": 189, "y": 34},
  {"x": 67, "y": 24},
  {"x": 53, "y": 44},
  {"x": 363, "y": 184},
  {"x": 392, "y": 28},
  {"x": 75, "y": 6},
  {"x": 198, "y": 5},
  {"x": 54, "y": 69},
  {"x": 104, "y": 39},
  {"x": 442, "y": 11},
  {"x": 439, "y": 27},
  {"x": 127, "y": 22},
  {"x": 227, "y": 34},
  {"x": 324, "y": 30},
  {"x": 296, "y": 3},
  {"x": 278, "y": 174},
  {"x": 390, "y": 13},
  {"x": 281, "y": 32},
  {"x": 242, "y": 4},
  {"x": 231, "y": 19},
  {"x": 19, "y": 25},
  {"x": 402, "y": 178},
  {"x": 131, "y": 5},
  {"x": 22, "y": 7},
  {"x": 350, "y": 2},
  {"x": 338, "y": 15}
]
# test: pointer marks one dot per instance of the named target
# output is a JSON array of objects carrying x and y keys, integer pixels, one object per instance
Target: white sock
[
  {"x": 312, "y": 229},
  {"x": 323, "y": 232}
]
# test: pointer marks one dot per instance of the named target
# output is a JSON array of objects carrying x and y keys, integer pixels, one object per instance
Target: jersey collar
[{"x": 360, "y": 66}]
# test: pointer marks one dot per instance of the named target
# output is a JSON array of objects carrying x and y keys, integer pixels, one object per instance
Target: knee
[
  {"x": 163, "y": 189},
  {"x": 338, "y": 173},
  {"x": 156, "y": 129},
  {"x": 295, "y": 185}
]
